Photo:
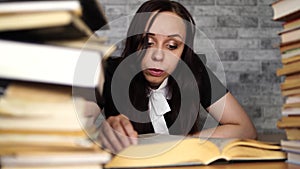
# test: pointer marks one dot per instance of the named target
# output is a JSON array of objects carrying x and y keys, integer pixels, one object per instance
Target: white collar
[{"x": 158, "y": 106}]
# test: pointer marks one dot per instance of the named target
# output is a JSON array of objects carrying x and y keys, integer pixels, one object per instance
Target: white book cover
[
  {"x": 38, "y": 6},
  {"x": 50, "y": 64}
]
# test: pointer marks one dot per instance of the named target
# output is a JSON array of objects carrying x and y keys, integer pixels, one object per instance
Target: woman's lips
[{"x": 155, "y": 72}]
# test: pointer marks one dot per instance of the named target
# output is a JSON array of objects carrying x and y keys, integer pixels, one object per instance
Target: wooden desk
[{"x": 244, "y": 165}]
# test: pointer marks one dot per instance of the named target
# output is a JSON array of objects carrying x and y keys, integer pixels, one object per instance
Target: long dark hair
[{"x": 185, "y": 102}]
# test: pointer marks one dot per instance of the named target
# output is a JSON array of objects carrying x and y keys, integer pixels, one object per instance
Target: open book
[{"x": 194, "y": 151}]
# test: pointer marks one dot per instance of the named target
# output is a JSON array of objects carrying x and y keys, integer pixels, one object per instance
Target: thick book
[
  {"x": 289, "y": 46},
  {"x": 34, "y": 159},
  {"x": 290, "y": 92},
  {"x": 290, "y": 56},
  {"x": 290, "y": 84},
  {"x": 291, "y": 24},
  {"x": 295, "y": 58},
  {"x": 290, "y": 111},
  {"x": 82, "y": 166},
  {"x": 291, "y": 35},
  {"x": 292, "y": 147},
  {"x": 50, "y": 64},
  {"x": 14, "y": 7},
  {"x": 288, "y": 69},
  {"x": 293, "y": 133},
  {"x": 90, "y": 11},
  {"x": 194, "y": 151},
  {"x": 11, "y": 143},
  {"x": 289, "y": 122},
  {"x": 293, "y": 77},
  {"x": 55, "y": 25},
  {"x": 291, "y": 105},
  {"x": 293, "y": 99},
  {"x": 35, "y": 20},
  {"x": 293, "y": 158},
  {"x": 41, "y": 108},
  {"x": 36, "y": 117},
  {"x": 285, "y": 10}
]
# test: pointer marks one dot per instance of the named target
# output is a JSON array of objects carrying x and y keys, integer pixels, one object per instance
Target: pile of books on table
[
  {"x": 288, "y": 12},
  {"x": 50, "y": 76}
]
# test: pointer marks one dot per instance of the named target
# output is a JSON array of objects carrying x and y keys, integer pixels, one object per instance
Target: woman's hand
[{"x": 116, "y": 133}]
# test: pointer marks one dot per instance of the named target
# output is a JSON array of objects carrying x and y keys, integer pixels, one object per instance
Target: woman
[{"x": 167, "y": 82}]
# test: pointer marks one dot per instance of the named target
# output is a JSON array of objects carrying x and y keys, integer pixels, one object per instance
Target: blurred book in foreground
[{"x": 43, "y": 124}]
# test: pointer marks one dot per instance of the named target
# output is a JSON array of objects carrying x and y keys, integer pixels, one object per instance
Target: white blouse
[{"x": 158, "y": 106}]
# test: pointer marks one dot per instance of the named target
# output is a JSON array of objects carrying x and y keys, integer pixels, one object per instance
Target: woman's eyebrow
[
  {"x": 176, "y": 35},
  {"x": 173, "y": 35},
  {"x": 151, "y": 34}
]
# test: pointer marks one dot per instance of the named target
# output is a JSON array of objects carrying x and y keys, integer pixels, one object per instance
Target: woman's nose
[{"x": 158, "y": 54}]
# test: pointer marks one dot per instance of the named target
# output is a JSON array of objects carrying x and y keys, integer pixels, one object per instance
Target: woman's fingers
[
  {"x": 119, "y": 130},
  {"x": 129, "y": 131},
  {"x": 109, "y": 139},
  {"x": 105, "y": 143},
  {"x": 116, "y": 133}
]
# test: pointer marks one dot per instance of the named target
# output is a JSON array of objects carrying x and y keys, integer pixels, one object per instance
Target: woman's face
[{"x": 166, "y": 39}]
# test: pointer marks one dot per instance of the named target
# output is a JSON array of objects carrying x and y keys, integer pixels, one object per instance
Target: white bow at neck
[{"x": 158, "y": 106}]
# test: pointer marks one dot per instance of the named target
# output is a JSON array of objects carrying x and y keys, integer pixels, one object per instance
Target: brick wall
[{"x": 244, "y": 38}]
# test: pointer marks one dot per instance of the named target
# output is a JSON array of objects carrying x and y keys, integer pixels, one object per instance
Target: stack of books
[
  {"x": 288, "y": 12},
  {"x": 67, "y": 23},
  {"x": 44, "y": 126},
  {"x": 50, "y": 76}
]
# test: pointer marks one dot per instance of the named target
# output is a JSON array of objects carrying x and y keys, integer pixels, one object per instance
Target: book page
[
  {"x": 169, "y": 153},
  {"x": 246, "y": 149},
  {"x": 39, "y": 92},
  {"x": 158, "y": 138},
  {"x": 220, "y": 142}
]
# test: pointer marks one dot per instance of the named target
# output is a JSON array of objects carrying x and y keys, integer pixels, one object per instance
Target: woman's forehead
[{"x": 167, "y": 23}]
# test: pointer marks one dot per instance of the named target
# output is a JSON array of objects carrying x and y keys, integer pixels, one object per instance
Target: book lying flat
[
  {"x": 289, "y": 69},
  {"x": 290, "y": 145},
  {"x": 291, "y": 24},
  {"x": 10, "y": 7},
  {"x": 194, "y": 151},
  {"x": 285, "y": 10},
  {"x": 293, "y": 158},
  {"x": 40, "y": 107},
  {"x": 73, "y": 166},
  {"x": 292, "y": 133},
  {"x": 41, "y": 110},
  {"x": 43, "y": 25},
  {"x": 50, "y": 64},
  {"x": 295, "y": 58},
  {"x": 290, "y": 84},
  {"x": 56, "y": 158},
  {"x": 91, "y": 11},
  {"x": 291, "y": 92},
  {"x": 291, "y": 35},
  {"x": 289, "y": 46},
  {"x": 11, "y": 143}
]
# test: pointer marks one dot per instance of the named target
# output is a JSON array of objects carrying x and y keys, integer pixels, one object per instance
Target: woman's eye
[
  {"x": 172, "y": 47},
  {"x": 149, "y": 44}
]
